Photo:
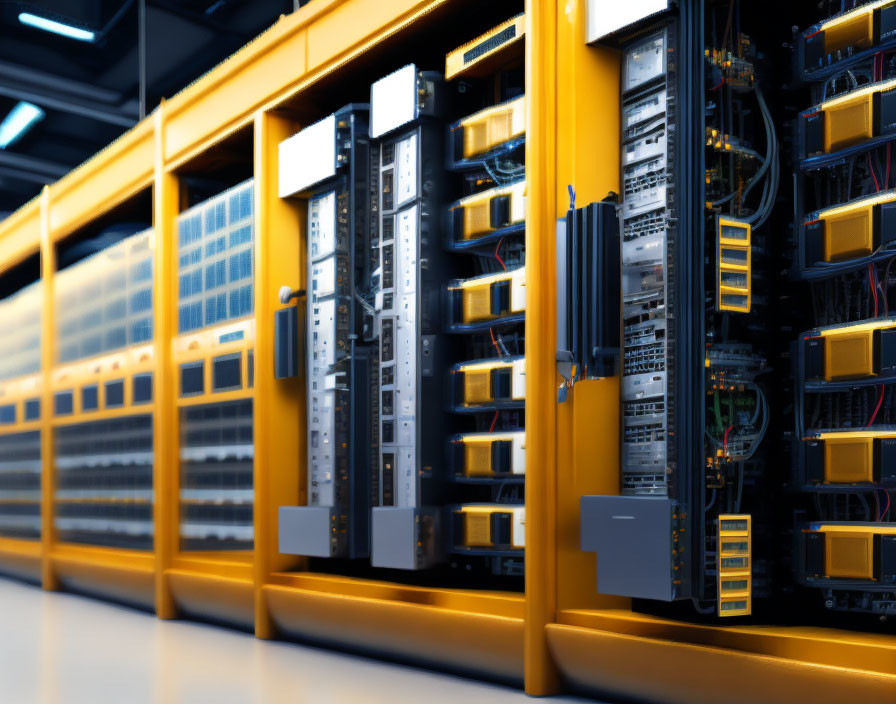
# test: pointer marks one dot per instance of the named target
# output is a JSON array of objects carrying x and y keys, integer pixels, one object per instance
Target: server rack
[{"x": 593, "y": 641}]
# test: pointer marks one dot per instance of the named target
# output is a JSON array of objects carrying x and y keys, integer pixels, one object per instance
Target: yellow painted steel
[
  {"x": 560, "y": 626},
  {"x": 20, "y": 234},
  {"x": 165, "y": 443},
  {"x": 541, "y": 675},
  {"x": 280, "y": 414},
  {"x": 47, "y": 360}
]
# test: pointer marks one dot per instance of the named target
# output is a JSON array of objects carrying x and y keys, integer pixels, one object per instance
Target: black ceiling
[{"x": 91, "y": 91}]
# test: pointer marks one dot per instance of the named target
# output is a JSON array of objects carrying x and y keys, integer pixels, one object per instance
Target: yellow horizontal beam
[
  {"x": 110, "y": 177},
  {"x": 276, "y": 66}
]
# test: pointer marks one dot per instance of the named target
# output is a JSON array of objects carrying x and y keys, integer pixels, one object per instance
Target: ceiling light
[
  {"x": 19, "y": 120},
  {"x": 66, "y": 30}
]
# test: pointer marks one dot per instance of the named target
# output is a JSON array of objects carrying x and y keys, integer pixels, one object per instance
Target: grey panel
[
  {"x": 305, "y": 530},
  {"x": 632, "y": 536},
  {"x": 395, "y": 534}
]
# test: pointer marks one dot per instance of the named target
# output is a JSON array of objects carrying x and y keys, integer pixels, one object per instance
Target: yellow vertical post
[
  {"x": 49, "y": 579},
  {"x": 279, "y": 403},
  {"x": 541, "y": 331},
  {"x": 165, "y": 441},
  {"x": 588, "y": 156}
]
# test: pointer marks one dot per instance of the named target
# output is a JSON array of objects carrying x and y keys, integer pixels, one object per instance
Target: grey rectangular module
[
  {"x": 306, "y": 530},
  {"x": 404, "y": 538},
  {"x": 633, "y": 539}
]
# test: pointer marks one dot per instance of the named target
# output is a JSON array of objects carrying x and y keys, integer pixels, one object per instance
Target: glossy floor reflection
[{"x": 66, "y": 649}]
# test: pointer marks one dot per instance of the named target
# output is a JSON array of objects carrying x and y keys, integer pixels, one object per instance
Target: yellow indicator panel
[
  {"x": 849, "y": 549},
  {"x": 735, "y": 565},
  {"x": 849, "y": 233},
  {"x": 849, "y": 355},
  {"x": 493, "y": 381},
  {"x": 849, "y": 555},
  {"x": 482, "y": 55},
  {"x": 491, "y": 296},
  {"x": 491, "y": 454},
  {"x": 849, "y": 119},
  {"x": 492, "y": 127},
  {"x": 854, "y": 28},
  {"x": 848, "y": 460},
  {"x": 492, "y": 525},
  {"x": 734, "y": 266},
  {"x": 483, "y": 213},
  {"x": 849, "y": 457},
  {"x": 849, "y": 122}
]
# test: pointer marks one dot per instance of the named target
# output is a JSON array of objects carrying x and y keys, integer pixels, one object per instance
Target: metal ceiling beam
[
  {"x": 8, "y": 174},
  {"x": 35, "y": 77},
  {"x": 51, "y": 91},
  {"x": 74, "y": 106},
  {"x": 29, "y": 168}
]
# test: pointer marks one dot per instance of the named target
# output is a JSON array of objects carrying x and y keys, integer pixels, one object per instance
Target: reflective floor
[{"x": 66, "y": 649}]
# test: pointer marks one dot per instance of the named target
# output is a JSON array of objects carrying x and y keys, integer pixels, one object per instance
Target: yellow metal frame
[{"x": 560, "y": 632}]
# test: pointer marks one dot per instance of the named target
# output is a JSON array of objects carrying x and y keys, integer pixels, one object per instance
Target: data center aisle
[{"x": 66, "y": 649}]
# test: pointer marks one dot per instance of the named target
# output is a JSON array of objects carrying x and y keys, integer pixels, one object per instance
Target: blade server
[{"x": 330, "y": 160}]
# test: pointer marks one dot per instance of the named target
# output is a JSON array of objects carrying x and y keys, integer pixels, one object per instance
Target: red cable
[
  {"x": 871, "y": 169},
  {"x": 880, "y": 400},
  {"x": 887, "y": 179},
  {"x": 494, "y": 420},
  {"x": 501, "y": 261},
  {"x": 873, "y": 286},
  {"x": 494, "y": 341},
  {"x": 725, "y": 440},
  {"x": 887, "y": 509}
]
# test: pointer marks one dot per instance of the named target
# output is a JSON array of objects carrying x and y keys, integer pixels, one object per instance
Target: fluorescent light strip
[
  {"x": 19, "y": 120},
  {"x": 48, "y": 25}
]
